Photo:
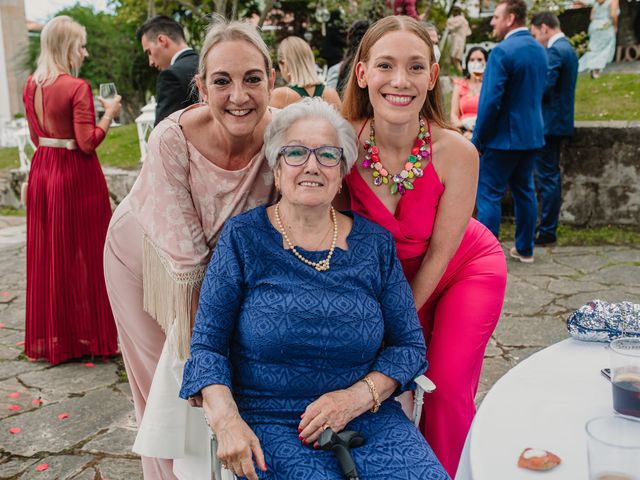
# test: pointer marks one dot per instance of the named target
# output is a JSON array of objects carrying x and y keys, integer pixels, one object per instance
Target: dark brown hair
[
  {"x": 356, "y": 105},
  {"x": 518, "y": 8}
]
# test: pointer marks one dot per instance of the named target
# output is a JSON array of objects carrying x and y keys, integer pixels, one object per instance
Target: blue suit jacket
[
  {"x": 560, "y": 90},
  {"x": 510, "y": 106}
]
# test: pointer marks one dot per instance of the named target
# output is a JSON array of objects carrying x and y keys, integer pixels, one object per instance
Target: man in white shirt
[{"x": 164, "y": 43}]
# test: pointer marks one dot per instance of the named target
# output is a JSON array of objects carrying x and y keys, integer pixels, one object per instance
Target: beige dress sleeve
[{"x": 175, "y": 250}]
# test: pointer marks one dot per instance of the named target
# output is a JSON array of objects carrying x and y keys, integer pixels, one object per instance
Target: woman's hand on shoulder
[{"x": 238, "y": 446}]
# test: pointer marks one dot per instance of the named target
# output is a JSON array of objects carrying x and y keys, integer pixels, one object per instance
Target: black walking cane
[{"x": 340, "y": 443}]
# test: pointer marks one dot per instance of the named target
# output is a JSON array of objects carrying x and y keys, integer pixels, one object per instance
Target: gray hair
[{"x": 310, "y": 108}]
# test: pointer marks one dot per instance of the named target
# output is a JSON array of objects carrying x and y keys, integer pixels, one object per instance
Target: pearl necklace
[
  {"x": 403, "y": 180},
  {"x": 322, "y": 265}
]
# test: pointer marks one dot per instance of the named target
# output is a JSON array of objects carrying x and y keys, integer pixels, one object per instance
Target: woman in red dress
[
  {"x": 417, "y": 177},
  {"x": 68, "y": 210}
]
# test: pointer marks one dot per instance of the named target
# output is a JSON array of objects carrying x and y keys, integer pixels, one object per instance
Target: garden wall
[{"x": 600, "y": 164}]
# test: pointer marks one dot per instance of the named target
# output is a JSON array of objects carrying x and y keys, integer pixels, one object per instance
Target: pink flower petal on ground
[
  {"x": 15, "y": 408},
  {"x": 63, "y": 416},
  {"x": 20, "y": 343},
  {"x": 31, "y": 359},
  {"x": 5, "y": 294},
  {"x": 1, "y": 325},
  {"x": 15, "y": 430},
  {"x": 14, "y": 395},
  {"x": 89, "y": 365},
  {"x": 36, "y": 401},
  {"x": 42, "y": 467}
]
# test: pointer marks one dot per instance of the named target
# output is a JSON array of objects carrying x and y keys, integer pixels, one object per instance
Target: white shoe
[{"x": 513, "y": 253}]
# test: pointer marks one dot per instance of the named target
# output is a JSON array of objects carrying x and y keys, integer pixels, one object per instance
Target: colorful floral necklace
[{"x": 403, "y": 180}]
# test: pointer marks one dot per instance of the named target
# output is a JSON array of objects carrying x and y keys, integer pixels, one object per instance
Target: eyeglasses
[{"x": 298, "y": 155}]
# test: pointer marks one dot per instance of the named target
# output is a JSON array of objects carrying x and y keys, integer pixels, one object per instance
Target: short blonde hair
[
  {"x": 222, "y": 30},
  {"x": 301, "y": 63},
  {"x": 61, "y": 43},
  {"x": 317, "y": 109}
]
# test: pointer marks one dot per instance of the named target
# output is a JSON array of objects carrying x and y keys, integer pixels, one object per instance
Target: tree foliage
[{"x": 115, "y": 56}]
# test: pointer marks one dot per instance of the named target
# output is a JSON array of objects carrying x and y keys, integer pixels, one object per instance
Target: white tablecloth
[{"x": 543, "y": 402}]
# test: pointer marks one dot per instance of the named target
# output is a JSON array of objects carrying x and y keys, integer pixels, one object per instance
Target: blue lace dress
[{"x": 280, "y": 334}]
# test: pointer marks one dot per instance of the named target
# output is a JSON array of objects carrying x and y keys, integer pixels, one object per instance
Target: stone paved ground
[{"x": 94, "y": 441}]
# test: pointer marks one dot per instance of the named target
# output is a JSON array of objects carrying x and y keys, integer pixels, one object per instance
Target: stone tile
[
  {"x": 630, "y": 255},
  {"x": 73, "y": 377},
  {"x": 517, "y": 355},
  {"x": 574, "y": 302},
  {"x": 492, "y": 349},
  {"x": 24, "y": 401},
  {"x": 553, "y": 310},
  {"x": 116, "y": 442},
  {"x": 14, "y": 466},
  {"x": 13, "y": 317},
  {"x": 61, "y": 467},
  {"x": 524, "y": 299},
  {"x": 539, "y": 267},
  {"x": 117, "y": 469},
  {"x": 42, "y": 431},
  {"x": 125, "y": 388},
  {"x": 87, "y": 474},
  {"x": 584, "y": 263},
  {"x": 530, "y": 331},
  {"x": 13, "y": 368},
  {"x": 540, "y": 281},
  {"x": 492, "y": 370},
  {"x": 620, "y": 275},
  {"x": 9, "y": 353},
  {"x": 566, "y": 286},
  {"x": 10, "y": 337}
]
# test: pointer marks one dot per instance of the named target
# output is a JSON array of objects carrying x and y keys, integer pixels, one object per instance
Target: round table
[{"x": 543, "y": 402}]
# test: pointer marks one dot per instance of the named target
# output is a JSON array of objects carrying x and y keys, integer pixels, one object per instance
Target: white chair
[{"x": 423, "y": 385}]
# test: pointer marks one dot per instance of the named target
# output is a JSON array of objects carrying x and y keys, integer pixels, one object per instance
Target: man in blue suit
[
  {"x": 557, "y": 111},
  {"x": 509, "y": 129}
]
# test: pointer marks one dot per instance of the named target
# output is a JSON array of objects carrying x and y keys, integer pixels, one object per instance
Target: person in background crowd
[
  {"x": 602, "y": 37},
  {"x": 434, "y": 35},
  {"x": 458, "y": 28},
  {"x": 163, "y": 42},
  {"x": 466, "y": 91},
  {"x": 557, "y": 109},
  {"x": 68, "y": 209},
  {"x": 334, "y": 42},
  {"x": 205, "y": 165},
  {"x": 298, "y": 68},
  {"x": 509, "y": 130},
  {"x": 417, "y": 177},
  {"x": 404, "y": 7},
  {"x": 339, "y": 74}
]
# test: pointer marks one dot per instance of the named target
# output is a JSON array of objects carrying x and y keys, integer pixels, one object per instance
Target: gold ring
[{"x": 325, "y": 426}]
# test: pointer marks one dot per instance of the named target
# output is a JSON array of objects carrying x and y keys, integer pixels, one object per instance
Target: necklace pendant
[{"x": 377, "y": 181}]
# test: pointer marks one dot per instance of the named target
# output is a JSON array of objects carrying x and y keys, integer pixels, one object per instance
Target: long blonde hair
[
  {"x": 61, "y": 43},
  {"x": 301, "y": 63},
  {"x": 356, "y": 104}
]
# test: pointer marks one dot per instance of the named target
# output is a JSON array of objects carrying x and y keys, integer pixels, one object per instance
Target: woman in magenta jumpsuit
[{"x": 417, "y": 177}]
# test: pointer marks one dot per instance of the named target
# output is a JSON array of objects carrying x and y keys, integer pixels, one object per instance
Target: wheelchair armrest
[{"x": 424, "y": 385}]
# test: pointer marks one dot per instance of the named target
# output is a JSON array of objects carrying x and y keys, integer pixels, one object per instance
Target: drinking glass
[
  {"x": 108, "y": 92},
  {"x": 613, "y": 448},
  {"x": 625, "y": 375}
]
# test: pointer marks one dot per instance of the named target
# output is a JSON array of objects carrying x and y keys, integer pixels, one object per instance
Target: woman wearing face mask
[{"x": 466, "y": 92}]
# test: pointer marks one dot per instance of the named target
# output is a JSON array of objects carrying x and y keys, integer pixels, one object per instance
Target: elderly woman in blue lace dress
[{"x": 306, "y": 322}]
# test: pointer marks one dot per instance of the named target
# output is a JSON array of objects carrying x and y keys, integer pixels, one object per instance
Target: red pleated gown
[{"x": 67, "y": 312}]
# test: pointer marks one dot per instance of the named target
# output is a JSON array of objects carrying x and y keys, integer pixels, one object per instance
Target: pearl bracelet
[{"x": 374, "y": 393}]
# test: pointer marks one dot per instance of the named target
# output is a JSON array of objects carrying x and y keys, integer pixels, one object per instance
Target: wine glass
[{"x": 108, "y": 92}]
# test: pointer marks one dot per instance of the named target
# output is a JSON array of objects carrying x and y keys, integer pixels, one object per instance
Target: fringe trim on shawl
[{"x": 168, "y": 295}]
